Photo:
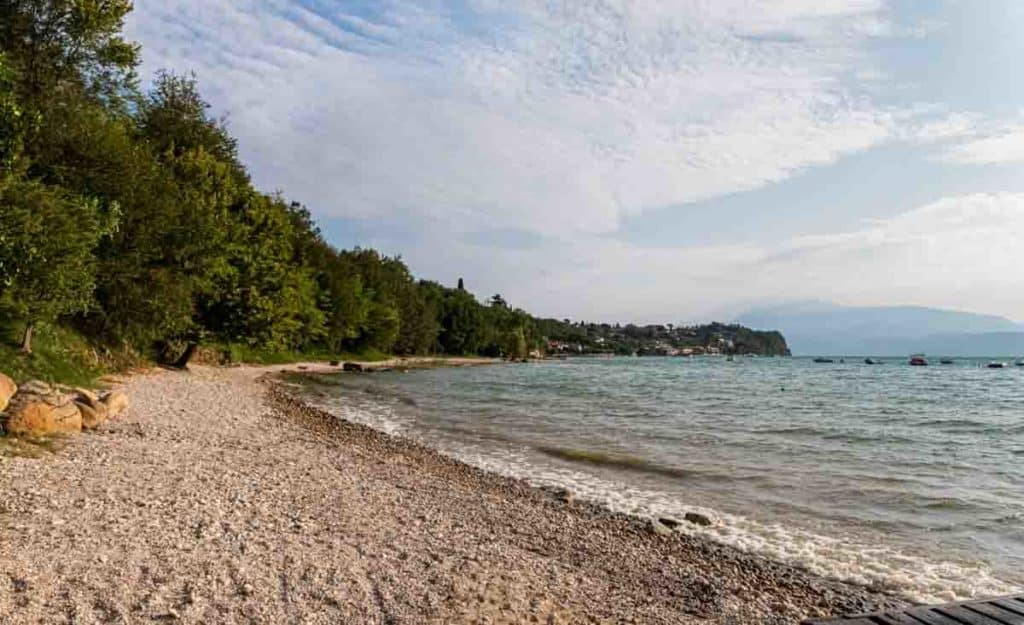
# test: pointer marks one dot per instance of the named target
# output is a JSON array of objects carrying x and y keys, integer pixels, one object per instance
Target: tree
[
  {"x": 462, "y": 323},
  {"x": 13, "y": 120},
  {"x": 61, "y": 44},
  {"x": 179, "y": 237},
  {"x": 46, "y": 253},
  {"x": 266, "y": 298}
]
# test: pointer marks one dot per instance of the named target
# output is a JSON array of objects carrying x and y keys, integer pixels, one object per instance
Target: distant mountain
[{"x": 816, "y": 328}]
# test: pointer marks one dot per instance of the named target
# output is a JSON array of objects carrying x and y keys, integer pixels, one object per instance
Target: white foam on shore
[{"x": 843, "y": 557}]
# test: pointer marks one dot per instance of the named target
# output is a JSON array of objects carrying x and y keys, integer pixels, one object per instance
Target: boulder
[
  {"x": 37, "y": 387},
  {"x": 93, "y": 416},
  {"x": 87, "y": 397},
  {"x": 7, "y": 390},
  {"x": 116, "y": 403},
  {"x": 38, "y": 409},
  {"x": 669, "y": 522},
  {"x": 698, "y": 518},
  {"x": 660, "y": 528},
  {"x": 564, "y": 495}
]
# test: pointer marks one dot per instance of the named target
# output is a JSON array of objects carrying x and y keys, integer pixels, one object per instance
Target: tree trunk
[
  {"x": 182, "y": 362},
  {"x": 26, "y": 340}
]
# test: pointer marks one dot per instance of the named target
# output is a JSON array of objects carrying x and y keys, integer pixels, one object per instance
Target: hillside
[{"x": 823, "y": 328}]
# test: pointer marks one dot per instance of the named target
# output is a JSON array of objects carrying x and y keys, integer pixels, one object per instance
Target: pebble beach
[{"x": 220, "y": 497}]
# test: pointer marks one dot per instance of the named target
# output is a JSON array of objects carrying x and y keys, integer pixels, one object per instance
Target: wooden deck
[{"x": 1004, "y": 611}]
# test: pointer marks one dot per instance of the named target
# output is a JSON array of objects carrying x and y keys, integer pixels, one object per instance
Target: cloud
[
  {"x": 960, "y": 252},
  {"x": 550, "y": 117},
  {"x": 504, "y": 142},
  {"x": 1000, "y": 145}
]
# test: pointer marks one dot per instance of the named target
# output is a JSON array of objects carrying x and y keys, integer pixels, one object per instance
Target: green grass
[
  {"x": 247, "y": 354},
  {"x": 60, "y": 355},
  {"x": 63, "y": 356}
]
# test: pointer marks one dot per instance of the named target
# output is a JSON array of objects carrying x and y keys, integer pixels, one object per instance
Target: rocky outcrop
[
  {"x": 116, "y": 402},
  {"x": 7, "y": 390},
  {"x": 38, "y": 409}
]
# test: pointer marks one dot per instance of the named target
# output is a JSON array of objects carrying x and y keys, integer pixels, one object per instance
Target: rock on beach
[
  {"x": 7, "y": 390},
  {"x": 39, "y": 409}
]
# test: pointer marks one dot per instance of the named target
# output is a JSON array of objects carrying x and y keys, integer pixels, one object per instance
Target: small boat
[
  {"x": 996, "y": 365},
  {"x": 872, "y": 361},
  {"x": 918, "y": 360},
  {"x": 824, "y": 360},
  {"x": 1019, "y": 363},
  {"x": 946, "y": 361}
]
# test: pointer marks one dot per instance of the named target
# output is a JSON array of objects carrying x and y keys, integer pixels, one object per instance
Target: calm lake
[{"x": 906, "y": 477}]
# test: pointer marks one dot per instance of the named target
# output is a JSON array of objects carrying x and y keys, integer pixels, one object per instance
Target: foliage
[
  {"x": 12, "y": 120},
  {"x": 60, "y": 44},
  {"x": 47, "y": 240}
]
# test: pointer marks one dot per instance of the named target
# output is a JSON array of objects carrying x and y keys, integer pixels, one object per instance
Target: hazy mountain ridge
[{"x": 823, "y": 328}]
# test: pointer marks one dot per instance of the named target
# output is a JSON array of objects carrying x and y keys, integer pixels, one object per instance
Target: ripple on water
[{"x": 891, "y": 476}]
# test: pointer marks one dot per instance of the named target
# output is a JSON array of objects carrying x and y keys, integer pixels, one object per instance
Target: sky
[{"x": 636, "y": 160}]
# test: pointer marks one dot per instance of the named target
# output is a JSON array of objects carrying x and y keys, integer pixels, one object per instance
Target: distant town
[{"x": 568, "y": 338}]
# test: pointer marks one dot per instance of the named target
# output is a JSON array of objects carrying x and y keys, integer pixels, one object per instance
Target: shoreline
[{"x": 222, "y": 497}]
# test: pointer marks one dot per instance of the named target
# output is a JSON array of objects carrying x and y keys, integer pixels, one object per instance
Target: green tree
[
  {"x": 13, "y": 120},
  {"x": 163, "y": 269},
  {"x": 46, "y": 253},
  {"x": 56, "y": 45},
  {"x": 266, "y": 298},
  {"x": 462, "y": 323}
]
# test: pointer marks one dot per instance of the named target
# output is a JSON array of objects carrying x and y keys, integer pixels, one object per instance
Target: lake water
[{"x": 911, "y": 478}]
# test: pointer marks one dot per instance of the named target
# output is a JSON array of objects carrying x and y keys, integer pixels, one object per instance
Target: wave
[
  {"x": 793, "y": 431},
  {"x": 838, "y": 556},
  {"x": 829, "y": 551},
  {"x": 849, "y": 437},
  {"x": 618, "y": 461}
]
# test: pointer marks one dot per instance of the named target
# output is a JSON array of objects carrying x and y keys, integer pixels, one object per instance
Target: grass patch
[{"x": 59, "y": 356}]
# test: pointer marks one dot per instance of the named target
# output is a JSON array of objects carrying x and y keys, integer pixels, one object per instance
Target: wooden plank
[
  {"x": 895, "y": 618},
  {"x": 993, "y": 610},
  {"x": 969, "y": 617},
  {"x": 930, "y": 617},
  {"x": 1009, "y": 604},
  {"x": 1002, "y": 611}
]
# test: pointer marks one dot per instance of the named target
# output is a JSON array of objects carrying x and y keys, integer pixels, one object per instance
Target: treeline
[{"x": 128, "y": 214}]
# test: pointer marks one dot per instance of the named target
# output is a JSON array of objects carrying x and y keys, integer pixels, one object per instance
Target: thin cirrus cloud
[
  {"x": 1003, "y": 145},
  {"x": 547, "y": 116},
  {"x": 512, "y": 140},
  {"x": 960, "y": 252}
]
